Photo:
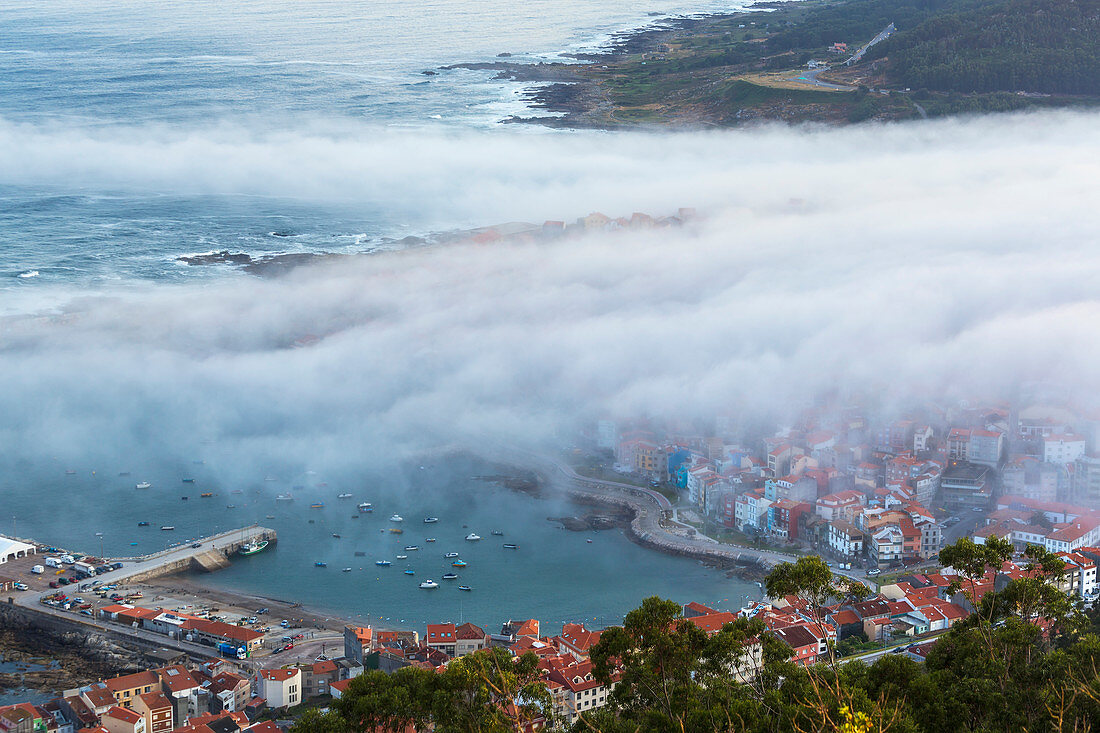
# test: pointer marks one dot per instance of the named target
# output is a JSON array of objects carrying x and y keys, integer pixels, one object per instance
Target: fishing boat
[
  {"x": 343, "y": 496},
  {"x": 317, "y": 505},
  {"x": 347, "y": 570},
  {"x": 409, "y": 572},
  {"x": 167, "y": 528},
  {"x": 143, "y": 524},
  {"x": 365, "y": 507},
  {"x": 396, "y": 530},
  {"x": 359, "y": 553},
  {"x": 284, "y": 497},
  {"x": 402, "y": 557},
  {"x": 450, "y": 576},
  {"x": 497, "y": 533},
  {"x": 320, "y": 564},
  {"x": 336, "y": 535},
  {"x": 459, "y": 564},
  {"x": 411, "y": 548},
  {"x": 429, "y": 584},
  {"x": 508, "y": 546},
  {"x": 184, "y": 498},
  {"x": 472, "y": 537},
  {"x": 253, "y": 547},
  {"x": 189, "y": 481},
  {"x": 429, "y": 539},
  {"x": 451, "y": 554},
  {"x": 431, "y": 520},
  {"x": 464, "y": 587},
  {"x": 589, "y": 541},
  {"x": 383, "y": 563},
  {"x": 270, "y": 516},
  {"x": 143, "y": 485},
  {"x": 206, "y": 494},
  {"x": 397, "y": 518}
]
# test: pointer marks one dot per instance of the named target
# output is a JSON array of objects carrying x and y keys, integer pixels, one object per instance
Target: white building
[
  {"x": 1063, "y": 448},
  {"x": 13, "y": 549},
  {"x": 282, "y": 688}
]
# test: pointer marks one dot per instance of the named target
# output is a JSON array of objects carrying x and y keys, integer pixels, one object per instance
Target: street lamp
[{"x": 100, "y": 536}]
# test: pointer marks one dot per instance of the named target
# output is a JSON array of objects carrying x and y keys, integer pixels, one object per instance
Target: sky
[{"x": 937, "y": 260}]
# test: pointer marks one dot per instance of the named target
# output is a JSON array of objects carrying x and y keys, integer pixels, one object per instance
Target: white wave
[{"x": 29, "y": 274}]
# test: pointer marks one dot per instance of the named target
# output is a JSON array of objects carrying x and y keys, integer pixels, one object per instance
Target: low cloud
[{"x": 906, "y": 262}]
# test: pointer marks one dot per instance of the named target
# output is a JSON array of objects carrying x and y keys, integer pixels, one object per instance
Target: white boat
[
  {"x": 347, "y": 570},
  {"x": 143, "y": 485},
  {"x": 270, "y": 478},
  {"x": 429, "y": 584},
  {"x": 431, "y": 520},
  {"x": 284, "y": 497},
  {"x": 383, "y": 563},
  {"x": 411, "y": 548},
  {"x": 167, "y": 528},
  {"x": 366, "y": 507},
  {"x": 473, "y": 537},
  {"x": 402, "y": 557},
  {"x": 397, "y": 518},
  {"x": 344, "y": 496},
  {"x": 451, "y": 554}
]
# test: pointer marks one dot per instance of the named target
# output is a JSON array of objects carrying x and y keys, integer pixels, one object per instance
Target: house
[
  {"x": 122, "y": 720},
  {"x": 573, "y": 689},
  {"x": 157, "y": 711},
  {"x": 128, "y": 687},
  {"x": 281, "y": 688},
  {"x": 842, "y": 505},
  {"x": 807, "y": 645},
  {"x": 845, "y": 540},
  {"x": 576, "y": 641},
  {"x": 318, "y": 677},
  {"x": 188, "y": 697},
  {"x": 469, "y": 639},
  {"x": 358, "y": 642},
  {"x": 441, "y": 637}
]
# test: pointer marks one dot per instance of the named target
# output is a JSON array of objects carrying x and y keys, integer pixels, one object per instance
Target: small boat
[
  {"x": 143, "y": 524},
  {"x": 336, "y": 535},
  {"x": 450, "y": 576},
  {"x": 189, "y": 481},
  {"x": 230, "y": 506},
  {"x": 409, "y": 572},
  {"x": 184, "y": 498},
  {"x": 508, "y": 546},
  {"x": 320, "y": 564},
  {"x": 123, "y": 473},
  {"x": 589, "y": 541},
  {"x": 198, "y": 462},
  {"x": 366, "y": 507},
  {"x": 428, "y": 584},
  {"x": 317, "y": 505},
  {"x": 360, "y": 554},
  {"x": 402, "y": 557},
  {"x": 236, "y": 491},
  {"x": 396, "y": 530},
  {"x": 397, "y": 518},
  {"x": 451, "y": 554},
  {"x": 411, "y": 548},
  {"x": 143, "y": 485},
  {"x": 270, "y": 478},
  {"x": 459, "y": 564},
  {"x": 343, "y": 496},
  {"x": 429, "y": 539},
  {"x": 497, "y": 533},
  {"x": 133, "y": 544},
  {"x": 70, "y": 472},
  {"x": 431, "y": 520},
  {"x": 167, "y": 528},
  {"x": 346, "y": 570},
  {"x": 464, "y": 587},
  {"x": 284, "y": 497},
  {"x": 354, "y": 516},
  {"x": 253, "y": 547},
  {"x": 383, "y": 563},
  {"x": 472, "y": 537},
  {"x": 206, "y": 494},
  {"x": 270, "y": 516}
]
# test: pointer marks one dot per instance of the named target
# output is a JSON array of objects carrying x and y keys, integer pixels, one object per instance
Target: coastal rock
[{"x": 223, "y": 257}]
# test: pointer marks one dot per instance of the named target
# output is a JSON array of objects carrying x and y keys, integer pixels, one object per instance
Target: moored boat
[
  {"x": 383, "y": 563},
  {"x": 509, "y": 546},
  {"x": 347, "y": 570},
  {"x": 450, "y": 576},
  {"x": 284, "y": 497},
  {"x": 343, "y": 496},
  {"x": 189, "y": 481},
  {"x": 429, "y": 539},
  {"x": 320, "y": 564},
  {"x": 497, "y": 533},
  {"x": 206, "y": 494},
  {"x": 396, "y": 530},
  {"x": 402, "y": 557},
  {"x": 143, "y": 524},
  {"x": 336, "y": 535},
  {"x": 167, "y": 528},
  {"x": 411, "y": 548},
  {"x": 464, "y": 587},
  {"x": 459, "y": 564},
  {"x": 409, "y": 572},
  {"x": 451, "y": 554},
  {"x": 473, "y": 537},
  {"x": 366, "y": 506},
  {"x": 317, "y": 505},
  {"x": 431, "y": 520},
  {"x": 395, "y": 517},
  {"x": 143, "y": 485},
  {"x": 253, "y": 547},
  {"x": 428, "y": 584}
]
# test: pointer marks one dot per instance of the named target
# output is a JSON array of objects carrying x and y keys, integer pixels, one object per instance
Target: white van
[
  {"x": 38, "y": 570},
  {"x": 53, "y": 562}
]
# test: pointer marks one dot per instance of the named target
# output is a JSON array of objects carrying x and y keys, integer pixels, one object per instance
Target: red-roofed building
[
  {"x": 441, "y": 637},
  {"x": 806, "y": 643},
  {"x": 576, "y": 640},
  {"x": 156, "y": 709},
  {"x": 470, "y": 638},
  {"x": 122, "y": 720},
  {"x": 573, "y": 689}
]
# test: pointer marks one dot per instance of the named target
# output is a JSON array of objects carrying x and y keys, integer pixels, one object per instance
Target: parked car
[
  {"x": 196, "y": 544},
  {"x": 874, "y": 571},
  {"x": 86, "y": 612},
  {"x": 62, "y": 581},
  {"x": 54, "y": 584}
]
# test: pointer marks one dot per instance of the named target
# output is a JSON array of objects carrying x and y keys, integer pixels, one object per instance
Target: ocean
[{"x": 132, "y": 133}]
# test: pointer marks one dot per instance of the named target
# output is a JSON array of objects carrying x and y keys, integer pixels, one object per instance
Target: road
[
  {"x": 810, "y": 77},
  {"x": 882, "y": 36}
]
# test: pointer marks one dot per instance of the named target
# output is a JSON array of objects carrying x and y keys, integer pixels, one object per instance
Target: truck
[
  {"x": 232, "y": 651},
  {"x": 85, "y": 568},
  {"x": 38, "y": 570}
]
